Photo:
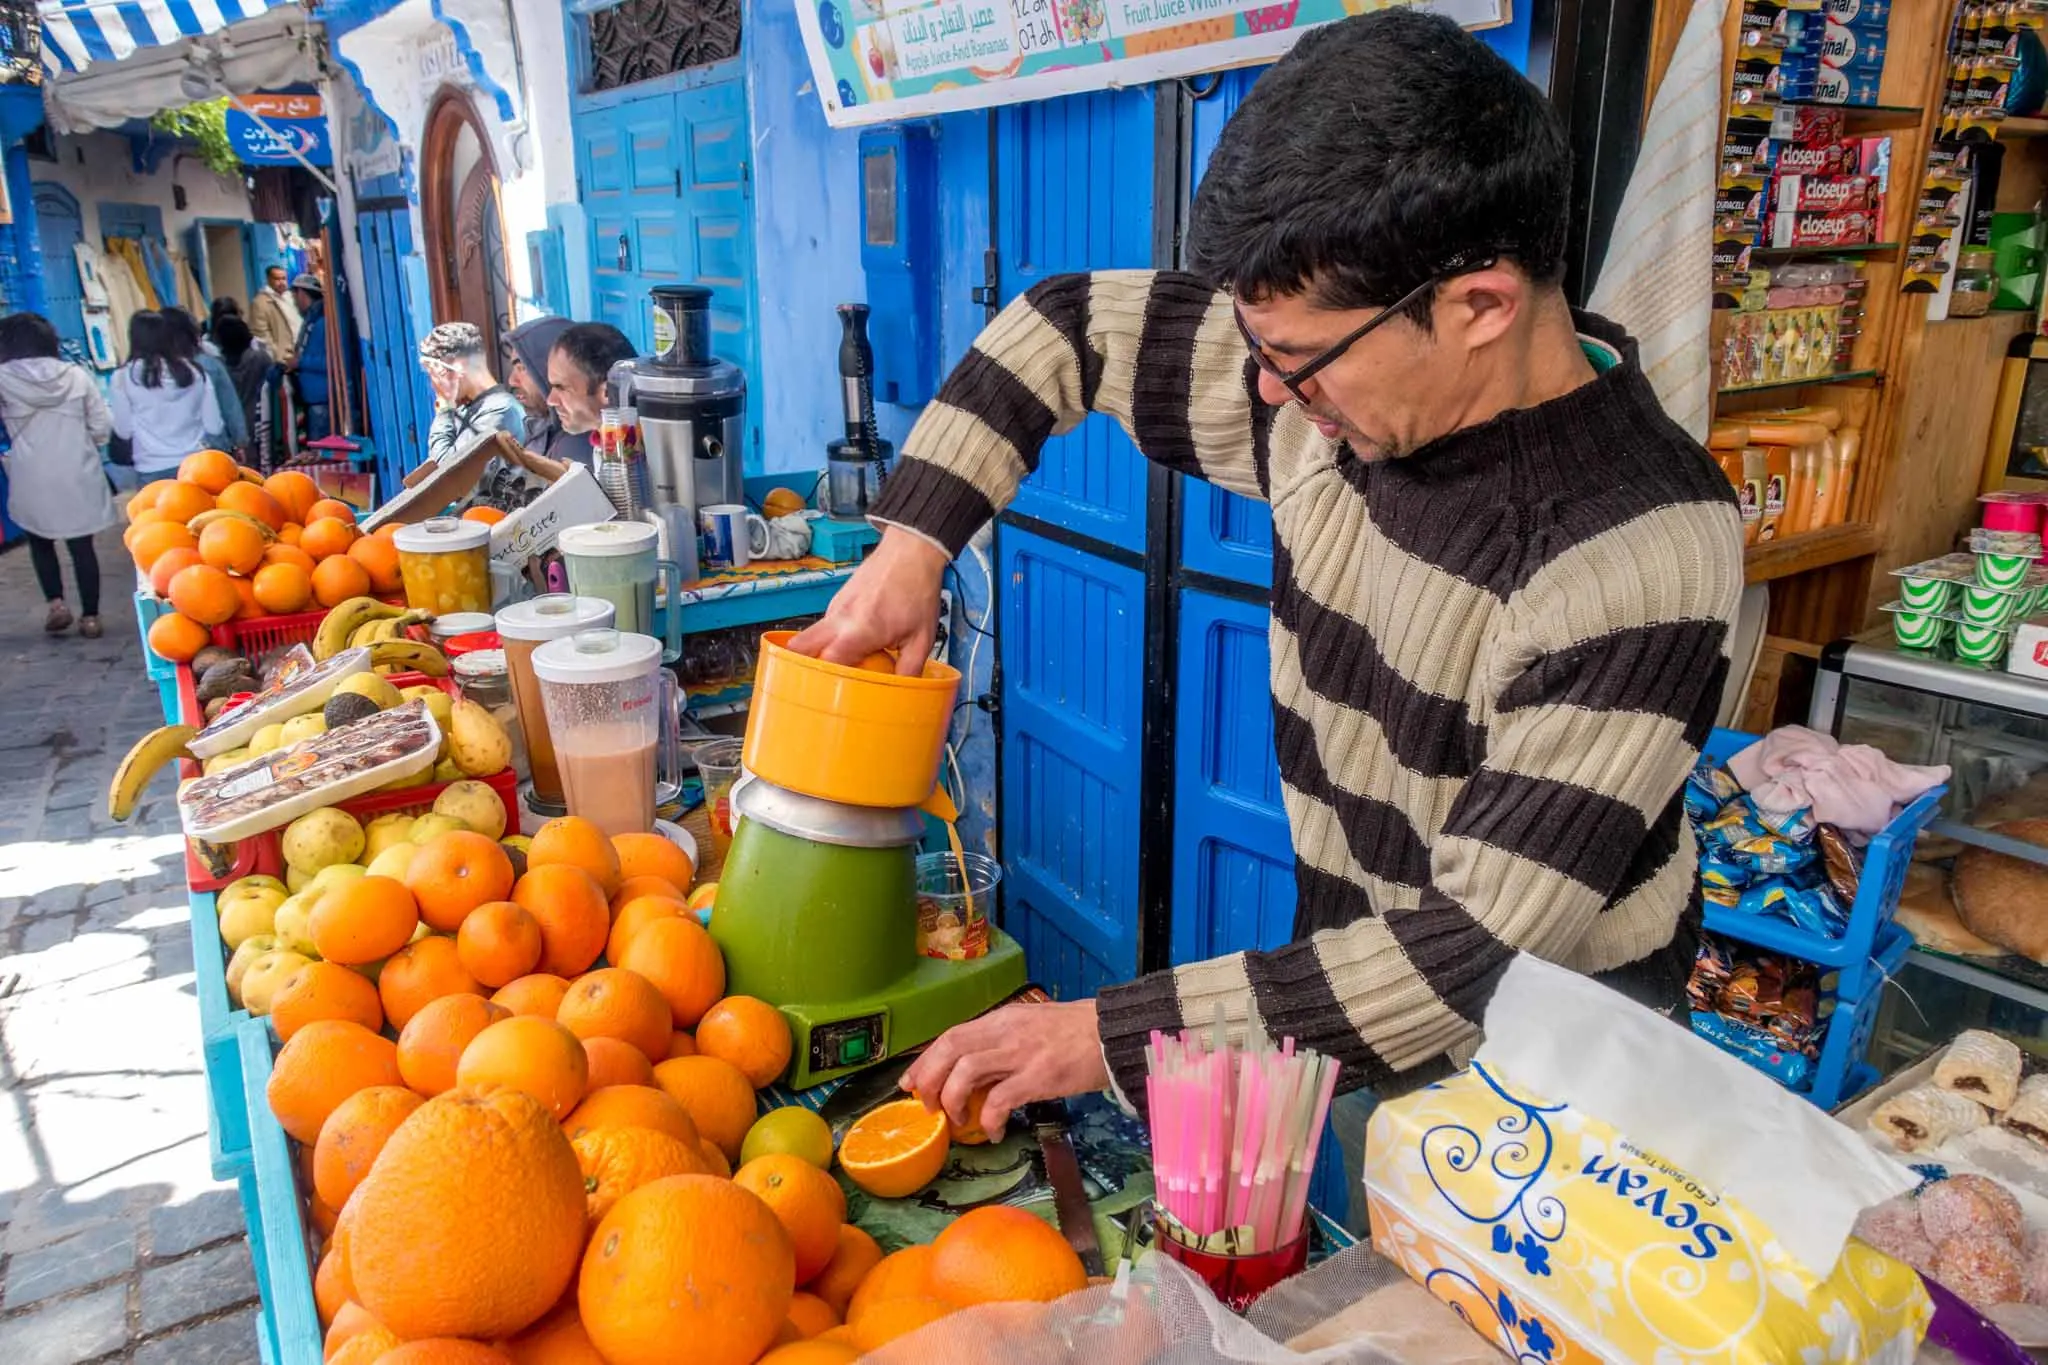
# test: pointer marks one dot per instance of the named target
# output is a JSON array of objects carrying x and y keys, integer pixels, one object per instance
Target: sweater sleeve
[
  {"x": 1159, "y": 352},
  {"x": 1604, "y": 681}
]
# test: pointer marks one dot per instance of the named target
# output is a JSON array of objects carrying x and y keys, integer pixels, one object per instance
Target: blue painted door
[
  {"x": 1074, "y": 193},
  {"x": 400, "y": 403},
  {"x": 59, "y": 227}
]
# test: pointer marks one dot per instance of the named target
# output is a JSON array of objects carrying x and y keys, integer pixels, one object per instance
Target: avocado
[{"x": 346, "y": 708}]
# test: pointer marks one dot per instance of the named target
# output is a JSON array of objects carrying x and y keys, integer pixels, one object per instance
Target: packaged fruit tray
[{"x": 272, "y": 789}]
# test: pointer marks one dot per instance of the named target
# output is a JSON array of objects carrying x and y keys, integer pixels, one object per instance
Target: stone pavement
[{"x": 116, "y": 1244}]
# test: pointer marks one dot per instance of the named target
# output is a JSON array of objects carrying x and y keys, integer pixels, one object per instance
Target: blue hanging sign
[{"x": 295, "y": 123}]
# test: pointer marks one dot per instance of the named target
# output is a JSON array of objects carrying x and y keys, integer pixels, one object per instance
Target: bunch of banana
[
  {"x": 213, "y": 514},
  {"x": 151, "y": 752},
  {"x": 387, "y": 628},
  {"x": 408, "y": 656},
  {"x": 339, "y": 626}
]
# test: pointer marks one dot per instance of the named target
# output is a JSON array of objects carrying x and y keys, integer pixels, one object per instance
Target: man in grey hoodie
[{"x": 526, "y": 350}]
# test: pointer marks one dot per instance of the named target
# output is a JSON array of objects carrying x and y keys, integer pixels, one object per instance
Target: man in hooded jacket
[{"x": 526, "y": 354}]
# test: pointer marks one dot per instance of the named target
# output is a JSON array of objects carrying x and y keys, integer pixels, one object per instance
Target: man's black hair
[
  {"x": 1378, "y": 153},
  {"x": 593, "y": 348},
  {"x": 27, "y": 336}
]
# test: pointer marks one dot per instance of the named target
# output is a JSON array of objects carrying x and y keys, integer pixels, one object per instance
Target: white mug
[{"x": 730, "y": 536}]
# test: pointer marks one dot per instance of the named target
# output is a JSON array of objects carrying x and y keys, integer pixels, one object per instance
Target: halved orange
[{"x": 895, "y": 1150}]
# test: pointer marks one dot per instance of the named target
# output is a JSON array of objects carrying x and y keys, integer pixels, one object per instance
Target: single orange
[
  {"x": 146, "y": 543},
  {"x": 167, "y": 566},
  {"x": 681, "y": 1044},
  {"x": 456, "y": 872},
  {"x": 852, "y": 1258},
  {"x": 690, "y": 1230},
  {"x": 617, "y": 1161},
  {"x": 615, "y": 1063},
  {"x": 419, "y": 974},
  {"x": 294, "y": 491},
  {"x": 905, "y": 1274},
  {"x": 325, "y": 1062},
  {"x": 283, "y": 588},
  {"x": 183, "y": 501},
  {"x": 811, "y": 1314},
  {"x": 636, "y": 914},
  {"x": 1000, "y": 1254},
  {"x": 388, "y": 531},
  {"x": 379, "y": 559},
  {"x": 245, "y": 592},
  {"x": 815, "y": 1352},
  {"x": 327, "y": 537},
  {"x": 537, "y": 1056},
  {"x": 177, "y": 637},
  {"x": 324, "y": 990},
  {"x": 204, "y": 593},
  {"x": 569, "y": 906},
  {"x": 893, "y": 1318},
  {"x": 366, "y": 1347},
  {"x": 145, "y": 497},
  {"x": 347, "y": 1323},
  {"x": 235, "y": 546},
  {"x": 895, "y": 1150},
  {"x": 281, "y": 553},
  {"x": 445, "y": 1351},
  {"x": 683, "y": 963},
  {"x": 353, "y": 1135},
  {"x": 331, "y": 507},
  {"x": 330, "y": 1294},
  {"x": 489, "y": 516},
  {"x": 364, "y": 920},
  {"x": 749, "y": 1033},
  {"x": 612, "y": 1002},
  {"x": 631, "y": 888},
  {"x": 539, "y": 994},
  {"x": 251, "y": 499},
  {"x": 717, "y": 1096},
  {"x": 431, "y": 1044},
  {"x": 338, "y": 578},
  {"x": 147, "y": 517},
  {"x": 631, "y": 1106},
  {"x": 580, "y": 843},
  {"x": 808, "y": 1203},
  {"x": 654, "y": 855},
  {"x": 289, "y": 535},
  {"x": 322, "y": 1215},
  {"x": 498, "y": 943},
  {"x": 557, "y": 1339},
  {"x": 715, "y": 1159},
  {"x": 212, "y": 470}
]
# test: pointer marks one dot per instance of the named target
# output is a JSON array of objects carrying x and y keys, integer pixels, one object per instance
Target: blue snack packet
[
  {"x": 1792, "y": 1070},
  {"x": 1718, "y": 872},
  {"x": 1812, "y": 908}
]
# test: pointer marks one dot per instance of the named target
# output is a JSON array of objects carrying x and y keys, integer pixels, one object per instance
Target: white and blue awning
[{"x": 77, "y": 33}]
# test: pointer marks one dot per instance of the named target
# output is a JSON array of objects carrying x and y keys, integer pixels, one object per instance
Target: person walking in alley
[
  {"x": 249, "y": 363},
  {"x": 310, "y": 371},
  {"x": 274, "y": 316},
  {"x": 56, "y": 490},
  {"x": 163, "y": 403},
  {"x": 192, "y": 347}
]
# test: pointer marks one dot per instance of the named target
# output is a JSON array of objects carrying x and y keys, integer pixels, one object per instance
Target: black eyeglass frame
[{"x": 1293, "y": 379}]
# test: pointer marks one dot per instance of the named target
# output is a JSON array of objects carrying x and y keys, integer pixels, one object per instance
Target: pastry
[
  {"x": 1980, "y": 1268},
  {"x": 1893, "y": 1227},
  {"x": 1928, "y": 913},
  {"x": 1926, "y": 1116},
  {"x": 2029, "y": 1113},
  {"x": 1983, "y": 1066},
  {"x": 1970, "y": 1203},
  {"x": 2034, "y": 1269},
  {"x": 2005, "y": 899}
]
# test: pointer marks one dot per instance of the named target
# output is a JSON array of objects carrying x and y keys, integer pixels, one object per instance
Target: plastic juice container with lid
[
  {"x": 446, "y": 565},
  {"x": 522, "y": 628}
]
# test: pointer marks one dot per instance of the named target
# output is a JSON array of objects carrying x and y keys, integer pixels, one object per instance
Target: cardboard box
[
  {"x": 572, "y": 500},
  {"x": 2029, "y": 655}
]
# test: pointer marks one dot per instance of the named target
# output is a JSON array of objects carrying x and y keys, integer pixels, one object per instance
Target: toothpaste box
[
  {"x": 1863, "y": 14},
  {"x": 1824, "y": 193},
  {"x": 1853, "y": 50},
  {"x": 1833, "y": 158},
  {"x": 1832, "y": 86},
  {"x": 1850, "y": 227}
]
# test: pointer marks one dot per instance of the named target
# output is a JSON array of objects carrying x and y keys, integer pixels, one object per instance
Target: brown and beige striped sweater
[{"x": 1493, "y": 661}]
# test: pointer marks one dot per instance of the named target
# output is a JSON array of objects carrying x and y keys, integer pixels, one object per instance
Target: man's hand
[
  {"x": 891, "y": 602},
  {"x": 1013, "y": 1056}
]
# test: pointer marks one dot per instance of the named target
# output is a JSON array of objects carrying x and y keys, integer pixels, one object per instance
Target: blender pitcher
[
  {"x": 611, "y": 710},
  {"x": 616, "y": 560}
]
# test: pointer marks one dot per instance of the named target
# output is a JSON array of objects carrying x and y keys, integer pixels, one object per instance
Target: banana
[
  {"x": 151, "y": 752},
  {"x": 339, "y": 626},
  {"x": 214, "y": 514},
  {"x": 410, "y": 656},
  {"x": 390, "y": 628}
]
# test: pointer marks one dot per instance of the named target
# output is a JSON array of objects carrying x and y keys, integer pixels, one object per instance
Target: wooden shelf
[
  {"x": 1809, "y": 550},
  {"x": 2014, "y": 129},
  {"x": 1790, "y": 253},
  {"x": 1840, "y": 377},
  {"x": 1863, "y": 115}
]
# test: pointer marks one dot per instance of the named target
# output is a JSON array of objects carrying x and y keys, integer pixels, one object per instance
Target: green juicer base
[{"x": 837, "y": 1037}]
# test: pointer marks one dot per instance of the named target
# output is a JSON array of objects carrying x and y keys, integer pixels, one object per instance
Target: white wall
[{"x": 98, "y": 168}]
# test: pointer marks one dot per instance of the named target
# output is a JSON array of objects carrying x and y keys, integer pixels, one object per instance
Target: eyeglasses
[{"x": 1293, "y": 379}]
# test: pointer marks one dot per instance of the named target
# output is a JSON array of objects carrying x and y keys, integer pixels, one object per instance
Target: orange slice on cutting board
[{"x": 895, "y": 1150}]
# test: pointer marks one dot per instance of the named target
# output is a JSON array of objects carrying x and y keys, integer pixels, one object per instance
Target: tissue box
[{"x": 1560, "y": 1241}]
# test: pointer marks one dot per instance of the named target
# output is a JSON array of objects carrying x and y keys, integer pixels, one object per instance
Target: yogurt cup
[
  {"x": 2006, "y": 571},
  {"x": 1928, "y": 594},
  {"x": 1991, "y": 606},
  {"x": 1980, "y": 644},
  {"x": 1915, "y": 630}
]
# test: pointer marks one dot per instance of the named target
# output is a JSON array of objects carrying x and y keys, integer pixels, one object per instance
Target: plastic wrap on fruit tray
[
  {"x": 302, "y": 685},
  {"x": 278, "y": 787}
]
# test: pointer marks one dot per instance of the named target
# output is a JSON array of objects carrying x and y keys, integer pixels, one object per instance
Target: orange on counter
[
  {"x": 817, "y": 1352},
  {"x": 456, "y": 872},
  {"x": 686, "y": 1229},
  {"x": 253, "y": 500},
  {"x": 282, "y": 587},
  {"x": 336, "y": 578},
  {"x": 327, "y": 537},
  {"x": 893, "y": 1318},
  {"x": 808, "y": 1203},
  {"x": 146, "y": 543},
  {"x": 681, "y": 1044},
  {"x": 349, "y": 1321},
  {"x": 283, "y": 553},
  {"x": 717, "y": 1096},
  {"x": 431, "y": 1043},
  {"x": 749, "y": 1033},
  {"x": 612, "y": 1002},
  {"x": 245, "y": 592},
  {"x": 233, "y": 545},
  {"x": 569, "y": 906},
  {"x": 177, "y": 637},
  {"x": 580, "y": 843},
  {"x": 498, "y": 943},
  {"x": 331, "y": 507},
  {"x": 895, "y": 1150},
  {"x": 325, "y": 1062},
  {"x": 905, "y": 1274},
  {"x": 654, "y": 855},
  {"x": 1001, "y": 1254},
  {"x": 181, "y": 502},
  {"x": 446, "y": 1351},
  {"x": 324, "y": 990},
  {"x": 539, "y": 993},
  {"x": 855, "y": 1255},
  {"x": 631, "y": 916},
  {"x": 366, "y": 1346},
  {"x": 212, "y": 470},
  {"x": 618, "y": 1161},
  {"x": 489, "y": 516},
  {"x": 379, "y": 558},
  {"x": 679, "y": 957},
  {"x": 166, "y": 567},
  {"x": 537, "y": 1056},
  {"x": 364, "y": 920},
  {"x": 615, "y": 1063},
  {"x": 631, "y": 888},
  {"x": 294, "y": 491},
  {"x": 205, "y": 593},
  {"x": 557, "y": 1339},
  {"x": 631, "y": 1106},
  {"x": 419, "y": 974},
  {"x": 810, "y": 1314},
  {"x": 353, "y": 1136},
  {"x": 331, "y": 1288},
  {"x": 488, "y": 1190}
]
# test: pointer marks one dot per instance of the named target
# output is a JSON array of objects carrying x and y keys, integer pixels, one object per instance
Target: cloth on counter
[
  {"x": 1851, "y": 786},
  {"x": 789, "y": 537}
]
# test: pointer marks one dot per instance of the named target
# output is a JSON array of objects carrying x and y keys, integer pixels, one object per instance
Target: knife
[{"x": 1048, "y": 1120}]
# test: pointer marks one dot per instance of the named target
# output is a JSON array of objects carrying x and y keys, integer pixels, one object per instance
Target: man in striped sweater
[{"x": 1502, "y": 579}]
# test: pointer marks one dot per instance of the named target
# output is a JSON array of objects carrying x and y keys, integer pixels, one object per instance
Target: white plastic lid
[
  {"x": 478, "y": 663},
  {"x": 553, "y": 616},
  {"x": 607, "y": 538},
  {"x": 456, "y": 623},
  {"x": 441, "y": 535},
  {"x": 597, "y": 656}
]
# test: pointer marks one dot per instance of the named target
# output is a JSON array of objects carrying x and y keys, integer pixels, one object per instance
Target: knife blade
[{"x": 1048, "y": 1120}]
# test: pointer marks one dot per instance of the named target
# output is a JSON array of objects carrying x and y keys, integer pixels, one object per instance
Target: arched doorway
[{"x": 465, "y": 232}]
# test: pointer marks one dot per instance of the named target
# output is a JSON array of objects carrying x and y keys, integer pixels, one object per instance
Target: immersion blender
[{"x": 856, "y": 464}]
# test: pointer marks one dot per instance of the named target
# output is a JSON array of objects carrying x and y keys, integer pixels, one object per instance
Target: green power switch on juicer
[{"x": 817, "y": 902}]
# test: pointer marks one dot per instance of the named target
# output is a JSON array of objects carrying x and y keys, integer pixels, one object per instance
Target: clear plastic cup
[
  {"x": 953, "y": 895},
  {"x": 718, "y": 764}
]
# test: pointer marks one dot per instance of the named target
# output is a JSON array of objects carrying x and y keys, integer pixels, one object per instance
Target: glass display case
[{"x": 1991, "y": 729}]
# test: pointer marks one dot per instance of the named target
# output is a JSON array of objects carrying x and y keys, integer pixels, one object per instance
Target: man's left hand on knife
[{"x": 1013, "y": 1055}]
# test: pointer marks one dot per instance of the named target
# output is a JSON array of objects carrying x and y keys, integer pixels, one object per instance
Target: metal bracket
[{"x": 988, "y": 293}]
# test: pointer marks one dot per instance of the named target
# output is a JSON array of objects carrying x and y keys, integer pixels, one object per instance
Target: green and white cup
[
  {"x": 1989, "y": 606},
  {"x": 2002, "y": 571},
  {"x": 1928, "y": 594},
  {"x": 1980, "y": 644},
  {"x": 1915, "y": 630}
]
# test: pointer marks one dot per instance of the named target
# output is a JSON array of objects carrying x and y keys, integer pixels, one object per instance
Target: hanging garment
[{"x": 1658, "y": 277}]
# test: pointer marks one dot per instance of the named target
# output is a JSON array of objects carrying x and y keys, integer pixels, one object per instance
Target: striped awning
[{"x": 77, "y": 33}]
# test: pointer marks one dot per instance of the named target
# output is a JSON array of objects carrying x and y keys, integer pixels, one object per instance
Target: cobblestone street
[{"x": 116, "y": 1244}]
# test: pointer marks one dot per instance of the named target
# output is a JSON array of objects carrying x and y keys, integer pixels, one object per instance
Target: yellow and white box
[{"x": 1562, "y": 1240}]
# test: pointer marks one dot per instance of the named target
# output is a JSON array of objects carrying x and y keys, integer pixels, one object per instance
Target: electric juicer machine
[{"x": 817, "y": 903}]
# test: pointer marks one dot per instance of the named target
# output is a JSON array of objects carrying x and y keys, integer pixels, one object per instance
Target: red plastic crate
[{"x": 256, "y": 636}]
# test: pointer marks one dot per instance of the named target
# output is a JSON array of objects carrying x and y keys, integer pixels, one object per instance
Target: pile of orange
[
  {"x": 542, "y": 1151},
  {"x": 289, "y": 550}
]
